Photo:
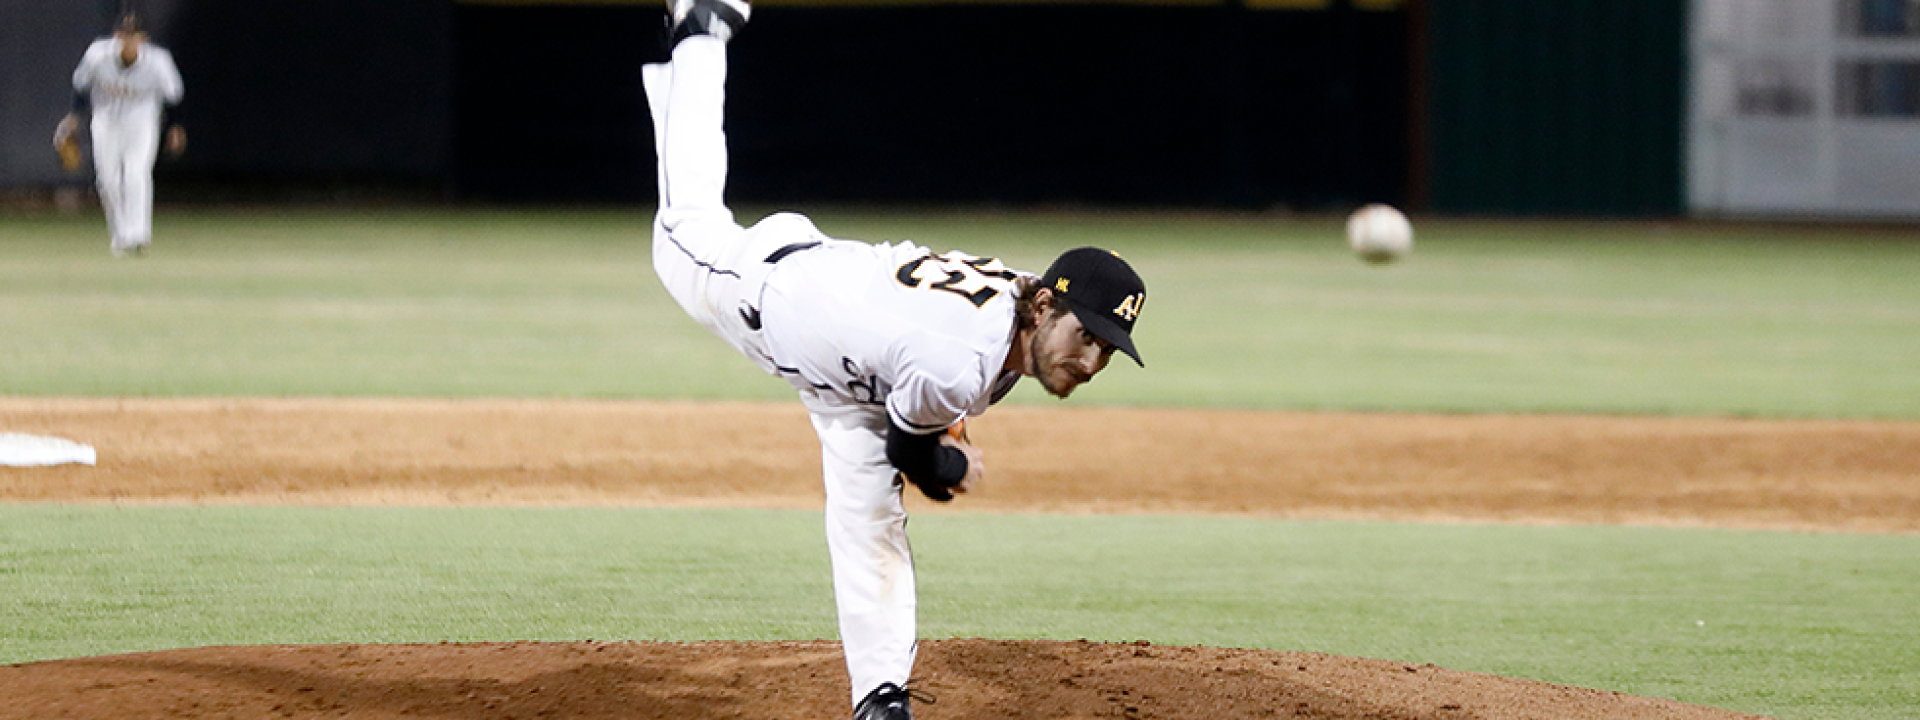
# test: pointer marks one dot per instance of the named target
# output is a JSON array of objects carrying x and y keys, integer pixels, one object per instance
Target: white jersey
[
  {"x": 856, "y": 327},
  {"x": 131, "y": 93}
]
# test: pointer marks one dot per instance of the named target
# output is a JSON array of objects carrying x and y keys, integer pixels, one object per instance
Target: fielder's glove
[
  {"x": 66, "y": 142},
  {"x": 69, "y": 150}
]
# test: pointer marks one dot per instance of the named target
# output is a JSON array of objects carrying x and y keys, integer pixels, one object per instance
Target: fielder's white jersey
[
  {"x": 129, "y": 93},
  {"x": 856, "y": 326}
]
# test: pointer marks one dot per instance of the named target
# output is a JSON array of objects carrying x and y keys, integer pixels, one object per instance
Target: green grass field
[{"x": 1244, "y": 311}]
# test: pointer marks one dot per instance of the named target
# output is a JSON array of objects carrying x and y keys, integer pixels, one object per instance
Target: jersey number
[{"x": 969, "y": 277}]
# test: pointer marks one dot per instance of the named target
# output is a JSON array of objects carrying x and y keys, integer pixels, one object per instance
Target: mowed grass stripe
[
  {"x": 1789, "y": 625},
  {"x": 1243, "y": 311}
]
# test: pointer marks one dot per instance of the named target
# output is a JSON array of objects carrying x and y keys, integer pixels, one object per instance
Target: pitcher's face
[{"x": 1063, "y": 355}]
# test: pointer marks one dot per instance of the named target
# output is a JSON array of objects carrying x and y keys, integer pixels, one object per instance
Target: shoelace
[{"x": 916, "y": 694}]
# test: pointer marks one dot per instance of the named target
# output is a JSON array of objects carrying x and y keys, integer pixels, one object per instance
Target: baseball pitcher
[
  {"x": 889, "y": 346},
  {"x": 124, "y": 80}
]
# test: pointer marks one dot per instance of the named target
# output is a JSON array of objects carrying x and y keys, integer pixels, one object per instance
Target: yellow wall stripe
[
  {"x": 1368, "y": 5},
  {"x": 1289, "y": 4}
]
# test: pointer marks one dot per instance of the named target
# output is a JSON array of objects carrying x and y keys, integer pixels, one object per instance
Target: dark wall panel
[
  {"x": 990, "y": 103},
  {"x": 548, "y": 104},
  {"x": 353, "y": 90},
  {"x": 1563, "y": 107}
]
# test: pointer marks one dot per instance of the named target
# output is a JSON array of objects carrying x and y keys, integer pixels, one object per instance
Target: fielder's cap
[{"x": 1103, "y": 291}]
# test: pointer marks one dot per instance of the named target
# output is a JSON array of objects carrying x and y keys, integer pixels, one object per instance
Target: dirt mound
[{"x": 964, "y": 678}]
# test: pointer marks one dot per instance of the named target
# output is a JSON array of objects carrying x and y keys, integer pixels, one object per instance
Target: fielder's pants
[
  {"x": 714, "y": 268},
  {"x": 123, "y": 152}
]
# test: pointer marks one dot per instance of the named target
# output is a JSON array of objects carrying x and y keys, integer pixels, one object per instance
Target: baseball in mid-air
[{"x": 1379, "y": 233}]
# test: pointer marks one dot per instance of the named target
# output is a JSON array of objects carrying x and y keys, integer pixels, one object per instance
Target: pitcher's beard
[{"x": 1043, "y": 372}]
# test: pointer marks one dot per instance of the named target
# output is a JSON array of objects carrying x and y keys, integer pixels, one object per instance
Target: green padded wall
[{"x": 1556, "y": 107}]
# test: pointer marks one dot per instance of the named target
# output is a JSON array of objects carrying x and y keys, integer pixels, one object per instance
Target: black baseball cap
[{"x": 1103, "y": 291}]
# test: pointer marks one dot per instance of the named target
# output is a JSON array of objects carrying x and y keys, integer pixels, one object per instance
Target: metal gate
[{"x": 1805, "y": 107}]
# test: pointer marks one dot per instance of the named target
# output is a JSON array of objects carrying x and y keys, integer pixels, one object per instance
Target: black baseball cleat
[
  {"x": 887, "y": 702},
  {"x": 719, "y": 18}
]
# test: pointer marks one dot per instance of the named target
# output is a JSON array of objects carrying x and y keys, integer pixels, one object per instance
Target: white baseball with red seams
[{"x": 1379, "y": 233}]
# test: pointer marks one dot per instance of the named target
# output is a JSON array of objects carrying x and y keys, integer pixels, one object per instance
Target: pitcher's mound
[{"x": 962, "y": 678}]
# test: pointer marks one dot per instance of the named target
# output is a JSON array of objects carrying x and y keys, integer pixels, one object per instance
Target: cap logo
[
  {"x": 1060, "y": 285},
  {"x": 1130, "y": 307}
]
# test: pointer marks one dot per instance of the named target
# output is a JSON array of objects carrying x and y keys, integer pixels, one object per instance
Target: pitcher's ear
[{"x": 1043, "y": 301}]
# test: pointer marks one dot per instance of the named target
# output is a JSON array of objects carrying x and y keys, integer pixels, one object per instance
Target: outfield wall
[
  {"x": 1461, "y": 106},
  {"x": 973, "y": 103}
]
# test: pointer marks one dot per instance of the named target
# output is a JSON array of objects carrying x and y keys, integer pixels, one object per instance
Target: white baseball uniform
[
  {"x": 868, "y": 335},
  {"x": 126, "y": 131}
]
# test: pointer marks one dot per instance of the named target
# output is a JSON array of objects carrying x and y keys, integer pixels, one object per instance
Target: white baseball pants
[
  {"x": 124, "y": 149},
  {"x": 714, "y": 269}
]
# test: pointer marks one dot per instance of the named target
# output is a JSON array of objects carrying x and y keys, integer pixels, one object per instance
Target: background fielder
[
  {"x": 888, "y": 345},
  {"x": 124, "y": 80}
]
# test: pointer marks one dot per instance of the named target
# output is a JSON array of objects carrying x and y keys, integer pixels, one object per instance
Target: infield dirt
[{"x": 1799, "y": 475}]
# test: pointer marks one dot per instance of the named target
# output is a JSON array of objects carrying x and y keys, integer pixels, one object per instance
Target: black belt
[{"x": 786, "y": 250}]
